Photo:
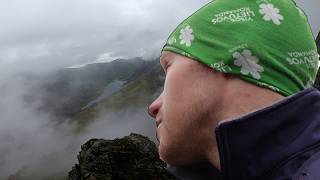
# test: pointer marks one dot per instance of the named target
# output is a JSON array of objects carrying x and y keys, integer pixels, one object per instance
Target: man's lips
[{"x": 158, "y": 122}]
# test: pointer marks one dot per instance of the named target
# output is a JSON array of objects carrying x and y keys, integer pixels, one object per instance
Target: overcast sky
[{"x": 46, "y": 34}]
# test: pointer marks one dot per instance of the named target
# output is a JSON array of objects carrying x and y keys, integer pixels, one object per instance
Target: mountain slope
[
  {"x": 66, "y": 92},
  {"x": 138, "y": 92}
]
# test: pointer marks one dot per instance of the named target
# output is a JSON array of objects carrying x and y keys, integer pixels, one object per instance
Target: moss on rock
[{"x": 133, "y": 157}]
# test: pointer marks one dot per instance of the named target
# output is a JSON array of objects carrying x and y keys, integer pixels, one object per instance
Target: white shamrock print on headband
[
  {"x": 172, "y": 40},
  {"x": 186, "y": 36},
  {"x": 271, "y": 13},
  {"x": 248, "y": 63}
]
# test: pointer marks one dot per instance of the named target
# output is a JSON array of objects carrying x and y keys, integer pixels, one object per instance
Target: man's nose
[{"x": 155, "y": 106}]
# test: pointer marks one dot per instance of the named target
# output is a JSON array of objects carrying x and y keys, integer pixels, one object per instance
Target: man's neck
[{"x": 239, "y": 103}]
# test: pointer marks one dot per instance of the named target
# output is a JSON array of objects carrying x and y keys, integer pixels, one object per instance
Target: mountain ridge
[{"x": 66, "y": 92}]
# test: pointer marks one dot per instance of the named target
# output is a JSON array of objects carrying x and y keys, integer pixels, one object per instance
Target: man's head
[
  {"x": 189, "y": 108},
  {"x": 227, "y": 59},
  {"x": 183, "y": 109}
]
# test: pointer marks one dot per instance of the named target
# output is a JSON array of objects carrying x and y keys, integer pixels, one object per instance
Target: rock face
[{"x": 133, "y": 157}]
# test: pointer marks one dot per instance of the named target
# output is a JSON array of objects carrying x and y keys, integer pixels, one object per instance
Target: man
[{"x": 237, "y": 102}]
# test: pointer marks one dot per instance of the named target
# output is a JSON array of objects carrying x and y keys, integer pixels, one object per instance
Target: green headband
[{"x": 266, "y": 42}]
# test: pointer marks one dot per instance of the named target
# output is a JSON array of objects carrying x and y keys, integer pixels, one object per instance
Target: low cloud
[
  {"x": 35, "y": 146},
  {"x": 51, "y": 34}
]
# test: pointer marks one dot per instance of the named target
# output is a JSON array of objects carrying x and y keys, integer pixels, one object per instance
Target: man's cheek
[{"x": 175, "y": 88}]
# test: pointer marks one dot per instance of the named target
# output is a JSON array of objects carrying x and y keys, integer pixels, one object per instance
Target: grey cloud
[
  {"x": 311, "y": 8},
  {"x": 55, "y": 33},
  {"x": 59, "y": 33},
  {"x": 52, "y": 34}
]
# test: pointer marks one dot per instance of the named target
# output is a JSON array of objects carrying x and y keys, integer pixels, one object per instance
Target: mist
[
  {"x": 52, "y": 34},
  {"x": 35, "y": 146}
]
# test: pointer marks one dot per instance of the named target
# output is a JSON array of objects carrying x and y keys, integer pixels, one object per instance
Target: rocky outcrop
[{"x": 133, "y": 157}]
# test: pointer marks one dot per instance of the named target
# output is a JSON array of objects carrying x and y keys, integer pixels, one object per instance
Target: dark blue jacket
[{"x": 275, "y": 143}]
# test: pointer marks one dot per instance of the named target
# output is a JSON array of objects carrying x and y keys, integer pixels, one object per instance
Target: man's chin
[{"x": 170, "y": 156}]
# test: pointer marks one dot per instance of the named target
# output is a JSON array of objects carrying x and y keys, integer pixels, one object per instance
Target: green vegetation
[{"x": 138, "y": 92}]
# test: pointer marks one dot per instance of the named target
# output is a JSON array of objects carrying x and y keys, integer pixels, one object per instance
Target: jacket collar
[
  {"x": 253, "y": 145},
  {"x": 199, "y": 171}
]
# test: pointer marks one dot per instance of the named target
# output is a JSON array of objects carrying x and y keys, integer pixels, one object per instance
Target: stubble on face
[{"x": 185, "y": 132}]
